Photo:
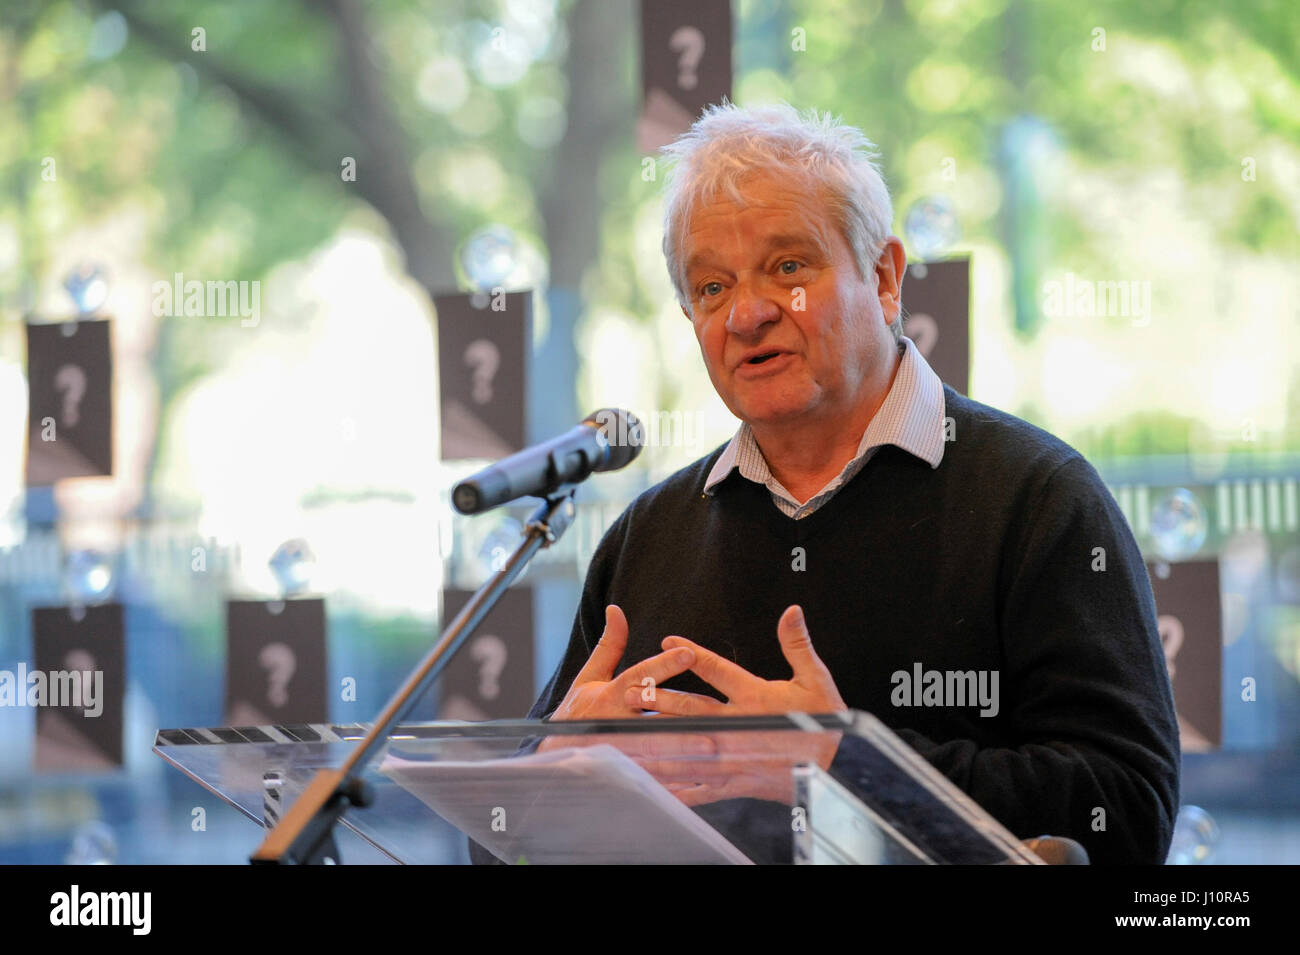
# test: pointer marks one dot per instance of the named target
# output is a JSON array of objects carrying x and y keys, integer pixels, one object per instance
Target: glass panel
[{"x": 683, "y": 790}]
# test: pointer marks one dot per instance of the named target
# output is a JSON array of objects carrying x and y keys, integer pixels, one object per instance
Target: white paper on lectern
[{"x": 590, "y": 804}]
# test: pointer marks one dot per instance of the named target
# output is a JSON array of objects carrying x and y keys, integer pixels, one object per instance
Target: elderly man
[{"x": 879, "y": 522}]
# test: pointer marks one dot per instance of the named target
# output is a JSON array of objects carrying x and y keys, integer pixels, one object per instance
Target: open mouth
[{"x": 759, "y": 359}]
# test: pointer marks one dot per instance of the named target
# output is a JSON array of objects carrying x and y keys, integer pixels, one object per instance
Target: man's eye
[
  {"x": 789, "y": 262},
  {"x": 708, "y": 285}
]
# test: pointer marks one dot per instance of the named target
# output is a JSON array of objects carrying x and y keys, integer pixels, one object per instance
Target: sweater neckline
[{"x": 804, "y": 528}]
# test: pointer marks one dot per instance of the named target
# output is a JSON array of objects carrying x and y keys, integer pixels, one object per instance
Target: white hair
[{"x": 729, "y": 144}]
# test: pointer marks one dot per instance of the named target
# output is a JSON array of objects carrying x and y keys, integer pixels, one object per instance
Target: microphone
[{"x": 606, "y": 440}]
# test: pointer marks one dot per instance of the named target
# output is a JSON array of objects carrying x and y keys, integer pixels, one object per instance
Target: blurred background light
[
  {"x": 293, "y": 564},
  {"x": 88, "y": 287},
  {"x": 1196, "y": 836},
  {"x": 87, "y": 576},
  {"x": 489, "y": 256},
  {"x": 1178, "y": 524},
  {"x": 931, "y": 227}
]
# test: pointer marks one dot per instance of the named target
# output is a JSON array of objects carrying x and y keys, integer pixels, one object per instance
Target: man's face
[{"x": 775, "y": 277}]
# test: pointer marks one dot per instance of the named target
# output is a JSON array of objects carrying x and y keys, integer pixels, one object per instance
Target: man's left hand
[{"x": 810, "y": 690}]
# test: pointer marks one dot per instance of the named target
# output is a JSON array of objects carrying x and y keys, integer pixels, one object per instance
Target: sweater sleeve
[{"x": 1089, "y": 699}]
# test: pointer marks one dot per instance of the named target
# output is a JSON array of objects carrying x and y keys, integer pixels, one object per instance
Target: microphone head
[
  {"x": 466, "y": 499},
  {"x": 622, "y": 431}
]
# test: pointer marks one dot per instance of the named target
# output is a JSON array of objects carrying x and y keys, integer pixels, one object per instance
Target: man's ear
[
  {"x": 891, "y": 266},
  {"x": 686, "y": 313}
]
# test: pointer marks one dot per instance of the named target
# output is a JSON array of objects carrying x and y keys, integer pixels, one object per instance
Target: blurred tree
[
  {"x": 237, "y": 147},
  {"x": 1051, "y": 114}
]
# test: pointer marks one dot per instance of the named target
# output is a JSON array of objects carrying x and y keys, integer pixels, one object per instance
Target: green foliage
[
  {"x": 1143, "y": 433},
  {"x": 234, "y": 151}
]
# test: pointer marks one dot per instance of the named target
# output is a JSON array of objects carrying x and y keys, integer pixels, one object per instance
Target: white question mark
[
  {"x": 280, "y": 661},
  {"x": 484, "y": 357},
  {"x": 79, "y": 660},
  {"x": 923, "y": 330},
  {"x": 490, "y": 654},
  {"x": 72, "y": 380},
  {"x": 689, "y": 43},
  {"x": 1171, "y": 637}
]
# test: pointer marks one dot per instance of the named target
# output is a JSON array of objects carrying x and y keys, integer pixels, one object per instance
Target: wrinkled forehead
[
  {"x": 766, "y": 206},
  {"x": 783, "y": 200},
  {"x": 759, "y": 187}
]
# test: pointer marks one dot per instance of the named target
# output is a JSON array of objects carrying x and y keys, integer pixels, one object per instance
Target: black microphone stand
[{"x": 305, "y": 834}]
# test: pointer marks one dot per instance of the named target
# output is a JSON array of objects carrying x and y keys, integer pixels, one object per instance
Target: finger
[
  {"x": 732, "y": 788},
  {"x": 664, "y": 746},
  {"x": 696, "y": 795},
  {"x": 675, "y": 788},
  {"x": 600, "y": 665},
  {"x": 719, "y": 672},
  {"x": 658, "y": 668},
  {"x": 712, "y": 769},
  {"x": 796, "y": 646},
  {"x": 695, "y": 771},
  {"x": 675, "y": 702},
  {"x": 678, "y": 774}
]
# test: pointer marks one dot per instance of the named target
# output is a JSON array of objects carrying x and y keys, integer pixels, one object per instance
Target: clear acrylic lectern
[{"x": 838, "y": 789}]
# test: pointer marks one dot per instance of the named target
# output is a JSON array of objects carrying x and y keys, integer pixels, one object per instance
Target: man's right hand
[{"x": 597, "y": 694}]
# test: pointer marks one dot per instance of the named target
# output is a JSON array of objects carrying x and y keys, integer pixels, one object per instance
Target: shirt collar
[{"x": 910, "y": 418}]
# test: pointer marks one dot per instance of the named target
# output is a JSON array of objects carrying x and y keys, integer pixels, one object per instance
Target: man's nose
[{"x": 751, "y": 308}]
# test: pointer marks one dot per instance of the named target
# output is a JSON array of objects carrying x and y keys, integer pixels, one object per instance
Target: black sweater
[{"x": 988, "y": 562}]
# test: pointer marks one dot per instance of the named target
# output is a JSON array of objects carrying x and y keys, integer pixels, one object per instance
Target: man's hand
[
  {"x": 810, "y": 690},
  {"x": 700, "y": 767},
  {"x": 596, "y": 693}
]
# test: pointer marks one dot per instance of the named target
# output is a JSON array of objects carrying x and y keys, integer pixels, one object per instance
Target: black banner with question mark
[
  {"x": 276, "y": 666},
  {"x": 685, "y": 65},
  {"x": 80, "y": 656},
  {"x": 491, "y": 675},
  {"x": 483, "y": 346},
  {"x": 69, "y": 405},
  {"x": 936, "y": 298},
  {"x": 1189, "y": 616}
]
